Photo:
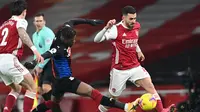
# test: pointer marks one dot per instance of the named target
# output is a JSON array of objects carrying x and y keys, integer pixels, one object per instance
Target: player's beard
[{"x": 130, "y": 26}]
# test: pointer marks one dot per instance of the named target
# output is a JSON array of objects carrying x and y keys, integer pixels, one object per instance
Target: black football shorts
[{"x": 66, "y": 84}]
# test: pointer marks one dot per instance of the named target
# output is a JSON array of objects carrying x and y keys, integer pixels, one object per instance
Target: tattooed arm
[
  {"x": 24, "y": 37},
  {"x": 21, "y": 28},
  {"x": 26, "y": 40},
  {"x": 58, "y": 50}
]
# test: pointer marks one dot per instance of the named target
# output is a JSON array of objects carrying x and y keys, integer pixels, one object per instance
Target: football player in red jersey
[
  {"x": 12, "y": 37},
  {"x": 126, "y": 57}
]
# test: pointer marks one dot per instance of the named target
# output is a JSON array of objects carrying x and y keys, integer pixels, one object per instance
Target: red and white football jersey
[
  {"x": 124, "y": 43},
  {"x": 9, "y": 37}
]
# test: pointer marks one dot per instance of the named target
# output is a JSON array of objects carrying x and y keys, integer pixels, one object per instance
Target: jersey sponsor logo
[{"x": 129, "y": 43}]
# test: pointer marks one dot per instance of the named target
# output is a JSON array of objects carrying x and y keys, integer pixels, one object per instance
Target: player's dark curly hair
[
  {"x": 66, "y": 33},
  {"x": 128, "y": 10},
  {"x": 18, "y": 6}
]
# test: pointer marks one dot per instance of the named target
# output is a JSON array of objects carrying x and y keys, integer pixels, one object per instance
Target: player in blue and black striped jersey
[{"x": 64, "y": 81}]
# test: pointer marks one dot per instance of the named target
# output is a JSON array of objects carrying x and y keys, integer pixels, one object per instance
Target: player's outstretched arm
[
  {"x": 100, "y": 36},
  {"x": 26, "y": 40},
  {"x": 107, "y": 33},
  {"x": 48, "y": 54},
  {"x": 51, "y": 53},
  {"x": 77, "y": 21}
]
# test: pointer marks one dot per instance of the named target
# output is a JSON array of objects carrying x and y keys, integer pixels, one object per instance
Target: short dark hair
[
  {"x": 39, "y": 14},
  {"x": 18, "y": 6},
  {"x": 128, "y": 9}
]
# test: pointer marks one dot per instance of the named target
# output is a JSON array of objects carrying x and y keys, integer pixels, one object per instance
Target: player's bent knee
[
  {"x": 150, "y": 85},
  {"x": 145, "y": 82},
  {"x": 34, "y": 87},
  {"x": 25, "y": 85},
  {"x": 88, "y": 91},
  {"x": 46, "y": 88},
  {"x": 28, "y": 87},
  {"x": 28, "y": 80},
  {"x": 84, "y": 89},
  {"x": 15, "y": 87}
]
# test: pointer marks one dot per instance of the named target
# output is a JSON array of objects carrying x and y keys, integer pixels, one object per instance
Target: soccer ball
[{"x": 147, "y": 102}]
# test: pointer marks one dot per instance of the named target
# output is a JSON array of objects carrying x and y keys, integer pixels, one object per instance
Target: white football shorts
[
  {"x": 11, "y": 70},
  {"x": 118, "y": 78}
]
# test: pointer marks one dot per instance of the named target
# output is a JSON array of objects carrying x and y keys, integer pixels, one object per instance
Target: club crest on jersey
[
  {"x": 48, "y": 41},
  {"x": 113, "y": 90}
]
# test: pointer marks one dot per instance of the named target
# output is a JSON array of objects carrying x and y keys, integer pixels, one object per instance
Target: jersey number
[{"x": 4, "y": 34}]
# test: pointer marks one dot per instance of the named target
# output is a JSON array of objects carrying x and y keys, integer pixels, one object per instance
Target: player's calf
[
  {"x": 11, "y": 98},
  {"x": 110, "y": 102},
  {"x": 47, "y": 95},
  {"x": 30, "y": 94},
  {"x": 87, "y": 90},
  {"x": 46, "y": 88},
  {"x": 46, "y": 91},
  {"x": 10, "y": 101}
]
